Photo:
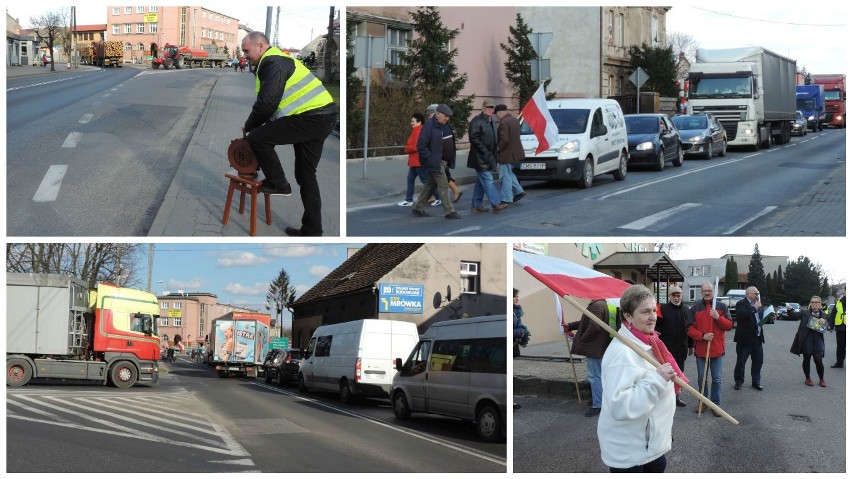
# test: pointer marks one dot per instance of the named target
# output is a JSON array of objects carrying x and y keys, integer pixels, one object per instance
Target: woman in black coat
[{"x": 811, "y": 341}]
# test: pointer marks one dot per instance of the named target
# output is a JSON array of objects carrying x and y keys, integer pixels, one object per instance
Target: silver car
[{"x": 799, "y": 126}]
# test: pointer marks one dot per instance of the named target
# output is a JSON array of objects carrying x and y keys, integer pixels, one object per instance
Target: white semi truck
[{"x": 751, "y": 91}]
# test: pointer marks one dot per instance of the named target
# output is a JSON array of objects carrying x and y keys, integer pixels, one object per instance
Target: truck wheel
[
  {"x": 18, "y": 372},
  {"x": 155, "y": 66},
  {"x": 302, "y": 386},
  {"x": 123, "y": 374},
  {"x": 179, "y": 63},
  {"x": 345, "y": 393},
  {"x": 488, "y": 424},
  {"x": 222, "y": 373},
  {"x": 400, "y": 406}
]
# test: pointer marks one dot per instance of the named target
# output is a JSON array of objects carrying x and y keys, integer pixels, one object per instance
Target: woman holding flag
[{"x": 635, "y": 425}]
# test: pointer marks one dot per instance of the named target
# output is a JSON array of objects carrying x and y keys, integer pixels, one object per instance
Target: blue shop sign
[{"x": 401, "y": 298}]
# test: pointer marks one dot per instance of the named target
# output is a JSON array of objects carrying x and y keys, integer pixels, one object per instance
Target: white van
[
  {"x": 457, "y": 369},
  {"x": 592, "y": 142},
  {"x": 356, "y": 358}
]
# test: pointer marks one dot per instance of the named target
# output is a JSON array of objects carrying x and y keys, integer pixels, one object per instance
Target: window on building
[
  {"x": 177, "y": 321},
  {"x": 203, "y": 32},
  {"x": 699, "y": 270},
  {"x": 140, "y": 46},
  {"x": 204, "y": 15},
  {"x": 152, "y": 28},
  {"x": 152, "y": 9},
  {"x": 115, "y": 29},
  {"x": 164, "y": 321},
  {"x": 694, "y": 293},
  {"x": 177, "y": 304},
  {"x": 610, "y": 85},
  {"x": 140, "y": 9},
  {"x": 610, "y": 24},
  {"x": 621, "y": 85},
  {"x": 655, "y": 41},
  {"x": 128, "y": 28},
  {"x": 140, "y": 28},
  {"x": 128, "y": 10},
  {"x": 469, "y": 277},
  {"x": 397, "y": 43},
  {"x": 621, "y": 29},
  {"x": 116, "y": 11},
  {"x": 128, "y": 47},
  {"x": 164, "y": 305}
]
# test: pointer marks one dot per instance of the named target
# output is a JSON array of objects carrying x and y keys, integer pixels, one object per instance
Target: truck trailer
[
  {"x": 57, "y": 327},
  {"x": 810, "y": 100},
  {"x": 179, "y": 57},
  {"x": 751, "y": 91},
  {"x": 107, "y": 54},
  {"x": 239, "y": 343},
  {"x": 835, "y": 97}
]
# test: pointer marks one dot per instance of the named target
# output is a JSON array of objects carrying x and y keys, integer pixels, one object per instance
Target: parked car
[
  {"x": 794, "y": 311},
  {"x": 282, "y": 366},
  {"x": 701, "y": 134},
  {"x": 799, "y": 126},
  {"x": 781, "y": 312},
  {"x": 653, "y": 140},
  {"x": 232, "y": 61}
]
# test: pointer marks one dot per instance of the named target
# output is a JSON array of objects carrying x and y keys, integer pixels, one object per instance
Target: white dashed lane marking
[{"x": 49, "y": 187}]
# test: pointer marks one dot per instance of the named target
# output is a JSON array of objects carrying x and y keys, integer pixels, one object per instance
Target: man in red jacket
[{"x": 708, "y": 326}]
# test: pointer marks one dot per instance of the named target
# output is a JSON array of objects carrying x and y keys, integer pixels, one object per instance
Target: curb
[{"x": 527, "y": 386}]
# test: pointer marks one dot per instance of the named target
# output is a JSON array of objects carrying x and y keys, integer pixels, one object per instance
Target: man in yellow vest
[
  {"x": 292, "y": 108},
  {"x": 837, "y": 322}
]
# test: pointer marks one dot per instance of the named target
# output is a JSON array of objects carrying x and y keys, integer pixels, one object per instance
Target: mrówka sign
[{"x": 401, "y": 298}]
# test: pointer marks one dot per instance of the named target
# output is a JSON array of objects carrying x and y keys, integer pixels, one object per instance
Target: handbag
[{"x": 796, "y": 348}]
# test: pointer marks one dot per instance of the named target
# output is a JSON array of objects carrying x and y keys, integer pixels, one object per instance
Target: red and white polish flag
[
  {"x": 567, "y": 278},
  {"x": 537, "y": 116}
]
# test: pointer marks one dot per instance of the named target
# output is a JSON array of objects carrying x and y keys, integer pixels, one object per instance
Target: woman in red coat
[{"x": 414, "y": 169}]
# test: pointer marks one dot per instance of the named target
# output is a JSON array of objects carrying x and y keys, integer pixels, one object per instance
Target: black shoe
[
  {"x": 269, "y": 190},
  {"x": 419, "y": 213},
  {"x": 738, "y": 386},
  {"x": 593, "y": 412},
  {"x": 757, "y": 386},
  {"x": 507, "y": 203},
  {"x": 453, "y": 216},
  {"x": 296, "y": 232},
  {"x": 519, "y": 196},
  {"x": 680, "y": 402},
  {"x": 837, "y": 365}
]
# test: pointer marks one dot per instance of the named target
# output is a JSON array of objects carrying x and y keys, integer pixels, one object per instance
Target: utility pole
[
  {"x": 150, "y": 265},
  {"x": 329, "y": 40},
  {"x": 268, "y": 21}
]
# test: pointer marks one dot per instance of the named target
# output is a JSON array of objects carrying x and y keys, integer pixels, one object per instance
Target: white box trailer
[{"x": 356, "y": 358}]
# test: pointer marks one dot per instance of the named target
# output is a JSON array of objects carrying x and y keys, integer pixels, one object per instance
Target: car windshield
[
  {"x": 794, "y": 305},
  {"x": 640, "y": 125},
  {"x": 690, "y": 122},
  {"x": 295, "y": 354},
  {"x": 568, "y": 122}
]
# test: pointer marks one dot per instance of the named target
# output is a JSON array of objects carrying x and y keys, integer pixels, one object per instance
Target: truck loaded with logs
[{"x": 179, "y": 57}]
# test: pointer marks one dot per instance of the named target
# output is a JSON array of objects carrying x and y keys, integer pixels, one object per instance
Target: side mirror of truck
[{"x": 398, "y": 363}]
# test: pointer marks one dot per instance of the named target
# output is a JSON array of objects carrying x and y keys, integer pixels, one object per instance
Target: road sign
[
  {"x": 540, "y": 41},
  {"x": 375, "y": 46},
  {"x": 545, "y": 70},
  {"x": 279, "y": 343},
  {"x": 639, "y": 77}
]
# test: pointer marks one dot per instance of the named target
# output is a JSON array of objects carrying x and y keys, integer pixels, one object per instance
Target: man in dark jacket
[
  {"x": 510, "y": 152},
  {"x": 591, "y": 341},
  {"x": 749, "y": 338},
  {"x": 672, "y": 326},
  {"x": 430, "y": 148},
  {"x": 837, "y": 322},
  {"x": 292, "y": 108},
  {"x": 483, "y": 158}
]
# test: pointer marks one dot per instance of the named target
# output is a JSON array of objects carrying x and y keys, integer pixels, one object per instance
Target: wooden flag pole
[
  {"x": 704, "y": 378},
  {"x": 647, "y": 357},
  {"x": 573, "y": 368}
]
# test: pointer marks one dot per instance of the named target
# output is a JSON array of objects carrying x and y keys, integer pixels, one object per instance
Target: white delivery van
[
  {"x": 592, "y": 142},
  {"x": 356, "y": 358},
  {"x": 457, "y": 369}
]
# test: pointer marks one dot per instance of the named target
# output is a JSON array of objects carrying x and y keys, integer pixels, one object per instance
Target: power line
[{"x": 774, "y": 21}]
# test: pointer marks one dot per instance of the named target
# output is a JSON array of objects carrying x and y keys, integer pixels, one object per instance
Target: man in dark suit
[{"x": 749, "y": 338}]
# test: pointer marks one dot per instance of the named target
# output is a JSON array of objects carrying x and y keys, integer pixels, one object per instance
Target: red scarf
[{"x": 661, "y": 353}]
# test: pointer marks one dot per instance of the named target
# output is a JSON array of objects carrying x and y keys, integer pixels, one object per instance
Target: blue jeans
[
  {"x": 715, "y": 377},
  {"x": 413, "y": 173},
  {"x": 593, "y": 368},
  {"x": 510, "y": 184},
  {"x": 484, "y": 187},
  {"x": 755, "y": 351}
]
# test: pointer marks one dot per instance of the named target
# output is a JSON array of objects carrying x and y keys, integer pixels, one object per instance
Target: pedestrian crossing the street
[{"x": 173, "y": 418}]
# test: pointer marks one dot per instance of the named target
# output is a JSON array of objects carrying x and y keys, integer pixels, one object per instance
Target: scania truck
[
  {"x": 58, "y": 327},
  {"x": 751, "y": 91}
]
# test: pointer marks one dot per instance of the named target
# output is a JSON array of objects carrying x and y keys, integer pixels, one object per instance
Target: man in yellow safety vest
[
  {"x": 837, "y": 322},
  {"x": 292, "y": 108}
]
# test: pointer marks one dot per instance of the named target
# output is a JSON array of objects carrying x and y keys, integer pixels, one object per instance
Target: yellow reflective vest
[
  {"x": 839, "y": 314},
  {"x": 302, "y": 92}
]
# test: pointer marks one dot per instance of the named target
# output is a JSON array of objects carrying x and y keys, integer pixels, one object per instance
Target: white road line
[
  {"x": 72, "y": 139},
  {"x": 48, "y": 190},
  {"x": 469, "y": 229},
  {"x": 370, "y": 207},
  {"x": 39, "y": 84},
  {"x": 737, "y": 226},
  {"x": 34, "y": 410},
  {"x": 86, "y": 118},
  {"x": 239, "y": 462},
  {"x": 643, "y": 223}
]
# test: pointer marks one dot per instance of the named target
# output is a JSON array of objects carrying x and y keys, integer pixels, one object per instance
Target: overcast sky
[
  {"x": 817, "y": 36},
  {"x": 831, "y": 253},
  {"x": 298, "y": 26}
]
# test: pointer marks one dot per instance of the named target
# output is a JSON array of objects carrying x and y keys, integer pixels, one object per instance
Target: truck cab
[{"x": 810, "y": 100}]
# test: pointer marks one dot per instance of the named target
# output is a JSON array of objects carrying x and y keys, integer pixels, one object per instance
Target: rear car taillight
[{"x": 357, "y": 369}]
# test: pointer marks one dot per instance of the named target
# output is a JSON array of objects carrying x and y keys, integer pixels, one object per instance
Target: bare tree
[
  {"x": 668, "y": 248},
  {"x": 683, "y": 48},
  {"x": 91, "y": 262},
  {"x": 52, "y": 27}
]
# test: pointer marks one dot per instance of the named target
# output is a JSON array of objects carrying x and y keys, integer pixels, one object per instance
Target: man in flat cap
[
  {"x": 483, "y": 158},
  {"x": 510, "y": 152},
  {"x": 672, "y": 325},
  {"x": 430, "y": 148}
]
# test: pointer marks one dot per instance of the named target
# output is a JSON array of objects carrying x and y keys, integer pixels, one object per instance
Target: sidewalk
[
  {"x": 544, "y": 370},
  {"x": 194, "y": 202}
]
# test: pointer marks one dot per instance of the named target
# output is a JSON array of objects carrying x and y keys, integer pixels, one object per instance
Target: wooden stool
[{"x": 245, "y": 185}]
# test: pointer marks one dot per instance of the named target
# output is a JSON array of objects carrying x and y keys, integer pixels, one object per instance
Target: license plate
[{"x": 532, "y": 166}]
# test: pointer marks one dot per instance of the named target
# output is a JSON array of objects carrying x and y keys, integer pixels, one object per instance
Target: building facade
[
  {"x": 22, "y": 46},
  {"x": 706, "y": 270},
  {"x": 137, "y": 27},
  {"x": 637, "y": 262},
  {"x": 190, "y": 315},
  {"x": 417, "y": 283}
]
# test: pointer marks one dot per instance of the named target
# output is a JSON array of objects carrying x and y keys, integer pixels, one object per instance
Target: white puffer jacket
[{"x": 635, "y": 424}]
